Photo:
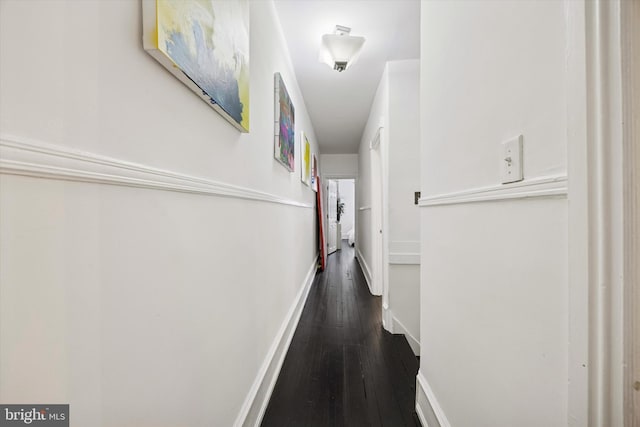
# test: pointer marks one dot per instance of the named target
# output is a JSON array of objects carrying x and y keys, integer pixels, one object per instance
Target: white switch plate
[{"x": 511, "y": 160}]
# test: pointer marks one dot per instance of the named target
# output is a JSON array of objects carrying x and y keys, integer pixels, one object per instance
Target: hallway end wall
[{"x": 339, "y": 165}]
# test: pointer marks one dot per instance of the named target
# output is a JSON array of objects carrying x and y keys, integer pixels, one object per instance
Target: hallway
[
  {"x": 342, "y": 368},
  {"x": 163, "y": 164}
]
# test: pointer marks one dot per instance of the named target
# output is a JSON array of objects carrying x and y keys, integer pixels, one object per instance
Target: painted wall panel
[
  {"x": 510, "y": 73},
  {"x": 494, "y": 285},
  {"x": 494, "y": 312},
  {"x": 395, "y": 108},
  {"x": 404, "y": 180},
  {"x": 113, "y": 295}
]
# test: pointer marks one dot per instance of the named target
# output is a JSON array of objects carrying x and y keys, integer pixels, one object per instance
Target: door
[
  {"x": 332, "y": 216},
  {"x": 377, "y": 220}
]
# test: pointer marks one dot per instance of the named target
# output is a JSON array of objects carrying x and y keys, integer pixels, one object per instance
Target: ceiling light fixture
[{"x": 340, "y": 50}]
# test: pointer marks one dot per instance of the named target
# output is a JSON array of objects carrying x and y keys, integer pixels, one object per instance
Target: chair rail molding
[
  {"x": 545, "y": 186},
  {"x": 405, "y": 252},
  {"x": 21, "y": 156}
]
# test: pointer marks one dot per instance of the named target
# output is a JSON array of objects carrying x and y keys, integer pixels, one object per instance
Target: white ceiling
[{"x": 339, "y": 103}]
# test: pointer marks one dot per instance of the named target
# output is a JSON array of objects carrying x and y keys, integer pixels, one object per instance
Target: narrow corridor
[{"x": 343, "y": 368}]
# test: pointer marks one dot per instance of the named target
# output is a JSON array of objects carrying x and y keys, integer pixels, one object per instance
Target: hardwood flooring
[{"x": 343, "y": 368}]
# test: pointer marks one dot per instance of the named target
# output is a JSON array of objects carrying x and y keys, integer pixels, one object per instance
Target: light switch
[{"x": 511, "y": 160}]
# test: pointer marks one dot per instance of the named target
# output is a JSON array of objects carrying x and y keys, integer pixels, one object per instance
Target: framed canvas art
[
  {"x": 285, "y": 143},
  {"x": 205, "y": 44},
  {"x": 305, "y": 170},
  {"x": 314, "y": 173}
]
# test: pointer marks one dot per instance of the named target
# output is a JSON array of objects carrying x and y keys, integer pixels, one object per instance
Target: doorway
[
  {"x": 332, "y": 216},
  {"x": 379, "y": 215},
  {"x": 341, "y": 203}
]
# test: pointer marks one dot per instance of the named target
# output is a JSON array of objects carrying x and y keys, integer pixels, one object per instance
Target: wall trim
[
  {"x": 399, "y": 328},
  {"x": 630, "y": 58},
  {"x": 601, "y": 186},
  {"x": 546, "y": 186},
  {"x": 406, "y": 258},
  {"x": 255, "y": 404},
  {"x": 364, "y": 208},
  {"x": 340, "y": 176},
  {"x": 578, "y": 383},
  {"x": 387, "y": 318},
  {"x": 365, "y": 269},
  {"x": 25, "y": 157},
  {"x": 404, "y": 252},
  {"x": 421, "y": 417},
  {"x": 423, "y": 384}
]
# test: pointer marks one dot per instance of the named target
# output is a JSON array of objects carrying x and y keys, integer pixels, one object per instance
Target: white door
[
  {"x": 377, "y": 221},
  {"x": 332, "y": 216}
]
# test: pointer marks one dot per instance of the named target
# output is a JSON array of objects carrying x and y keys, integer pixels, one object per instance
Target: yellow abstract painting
[
  {"x": 205, "y": 43},
  {"x": 305, "y": 174}
]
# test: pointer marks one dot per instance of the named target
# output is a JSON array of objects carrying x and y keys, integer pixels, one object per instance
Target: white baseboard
[
  {"x": 399, "y": 328},
  {"x": 427, "y": 407},
  {"x": 421, "y": 416},
  {"x": 387, "y": 319},
  {"x": 365, "y": 270},
  {"x": 255, "y": 404}
]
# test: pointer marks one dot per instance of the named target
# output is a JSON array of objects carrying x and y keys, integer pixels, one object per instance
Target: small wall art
[
  {"x": 305, "y": 170},
  {"x": 314, "y": 173},
  {"x": 205, "y": 44},
  {"x": 285, "y": 143}
]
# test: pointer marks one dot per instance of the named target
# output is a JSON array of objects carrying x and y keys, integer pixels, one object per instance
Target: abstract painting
[
  {"x": 205, "y": 44},
  {"x": 314, "y": 173},
  {"x": 305, "y": 170},
  {"x": 285, "y": 143}
]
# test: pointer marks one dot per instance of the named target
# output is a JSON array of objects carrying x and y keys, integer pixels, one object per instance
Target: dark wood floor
[{"x": 342, "y": 368}]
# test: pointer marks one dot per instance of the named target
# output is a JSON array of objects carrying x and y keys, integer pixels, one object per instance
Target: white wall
[
  {"x": 140, "y": 307},
  {"x": 494, "y": 304},
  {"x": 339, "y": 165},
  {"x": 404, "y": 150},
  {"x": 364, "y": 216},
  {"x": 346, "y": 191},
  {"x": 395, "y": 107},
  {"x": 404, "y": 215}
]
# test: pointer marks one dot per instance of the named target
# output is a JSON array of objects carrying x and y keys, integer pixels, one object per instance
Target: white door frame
[
  {"x": 630, "y": 58},
  {"x": 603, "y": 213},
  {"x": 338, "y": 176},
  {"x": 378, "y": 151},
  {"x": 328, "y": 214}
]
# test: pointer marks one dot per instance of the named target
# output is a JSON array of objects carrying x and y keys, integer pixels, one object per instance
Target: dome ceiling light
[{"x": 340, "y": 50}]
